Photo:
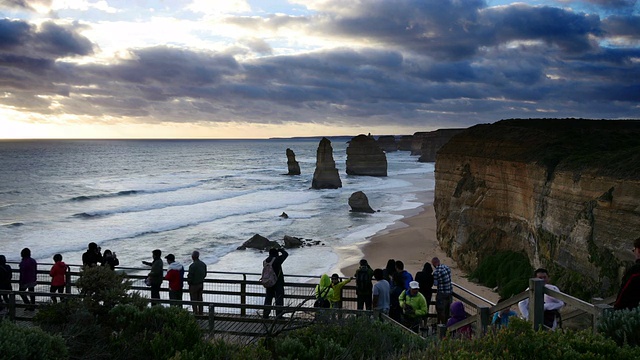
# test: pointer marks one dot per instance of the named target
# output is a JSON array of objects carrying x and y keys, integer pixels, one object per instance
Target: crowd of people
[{"x": 395, "y": 291}]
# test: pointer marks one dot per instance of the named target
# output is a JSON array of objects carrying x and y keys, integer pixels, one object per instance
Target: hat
[
  {"x": 170, "y": 257},
  {"x": 414, "y": 285}
]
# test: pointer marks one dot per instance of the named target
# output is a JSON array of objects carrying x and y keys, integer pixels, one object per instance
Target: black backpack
[{"x": 363, "y": 280}]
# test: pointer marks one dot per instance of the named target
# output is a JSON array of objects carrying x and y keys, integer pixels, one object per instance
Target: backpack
[
  {"x": 363, "y": 280},
  {"x": 322, "y": 301},
  {"x": 269, "y": 276}
]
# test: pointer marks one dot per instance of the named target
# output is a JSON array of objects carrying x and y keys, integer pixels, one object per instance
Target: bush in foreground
[
  {"x": 623, "y": 326},
  {"x": 520, "y": 341},
  {"x": 352, "y": 338},
  {"x": 29, "y": 343}
]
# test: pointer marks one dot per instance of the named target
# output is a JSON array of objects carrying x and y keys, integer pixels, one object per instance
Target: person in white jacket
[{"x": 551, "y": 304}]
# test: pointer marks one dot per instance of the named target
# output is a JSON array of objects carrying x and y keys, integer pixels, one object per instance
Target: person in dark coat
[
  {"x": 425, "y": 279},
  {"x": 5, "y": 279},
  {"x": 389, "y": 271},
  {"x": 277, "y": 290},
  {"x": 110, "y": 259},
  {"x": 92, "y": 256},
  {"x": 28, "y": 277},
  {"x": 629, "y": 294}
]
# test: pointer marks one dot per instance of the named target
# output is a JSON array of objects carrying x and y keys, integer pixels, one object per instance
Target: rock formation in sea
[
  {"x": 416, "y": 142},
  {"x": 259, "y": 242},
  {"x": 292, "y": 242},
  {"x": 292, "y": 164},
  {"x": 404, "y": 144},
  {"x": 326, "y": 174},
  {"x": 564, "y": 191},
  {"x": 364, "y": 157},
  {"x": 433, "y": 141},
  {"x": 359, "y": 202},
  {"x": 387, "y": 143}
]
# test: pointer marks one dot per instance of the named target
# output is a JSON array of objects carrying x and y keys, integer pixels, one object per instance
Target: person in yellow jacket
[
  {"x": 324, "y": 292},
  {"x": 336, "y": 286},
  {"x": 414, "y": 306}
]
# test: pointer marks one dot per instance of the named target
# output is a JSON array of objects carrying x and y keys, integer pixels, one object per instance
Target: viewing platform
[{"x": 234, "y": 304}]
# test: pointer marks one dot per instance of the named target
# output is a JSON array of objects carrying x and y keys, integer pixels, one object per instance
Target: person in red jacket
[
  {"x": 58, "y": 276},
  {"x": 175, "y": 276}
]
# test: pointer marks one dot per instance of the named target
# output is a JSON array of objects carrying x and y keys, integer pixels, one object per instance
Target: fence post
[
  {"x": 536, "y": 303},
  {"x": 12, "y": 307},
  {"x": 442, "y": 331},
  {"x": 484, "y": 319},
  {"x": 600, "y": 311},
  {"x": 67, "y": 279},
  {"x": 212, "y": 316},
  {"x": 243, "y": 295}
]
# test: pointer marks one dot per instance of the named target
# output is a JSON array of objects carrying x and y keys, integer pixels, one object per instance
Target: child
[
  {"x": 57, "y": 273},
  {"x": 501, "y": 318}
]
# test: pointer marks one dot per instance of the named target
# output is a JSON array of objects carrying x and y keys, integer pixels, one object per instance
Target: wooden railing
[{"x": 482, "y": 319}]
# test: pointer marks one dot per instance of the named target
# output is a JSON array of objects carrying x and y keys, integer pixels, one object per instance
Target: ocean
[{"x": 133, "y": 196}]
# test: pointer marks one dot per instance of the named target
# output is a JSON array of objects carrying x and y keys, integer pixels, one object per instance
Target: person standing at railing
[
  {"x": 92, "y": 257},
  {"x": 629, "y": 294},
  {"x": 58, "y": 274},
  {"x": 5, "y": 280},
  {"x": 381, "y": 293},
  {"x": 364, "y": 286},
  {"x": 276, "y": 291},
  {"x": 28, "y": 278},
  {"x": 195, "y": 279},
  {"x": 110, "y": 259},
  {"x": 336, "y": 294},
  {"x": 175, "y": 276},
  {"x": 155, "y": 275},
  {"x": 552, "y": 305},
  {"x": 444, "y": 296}
]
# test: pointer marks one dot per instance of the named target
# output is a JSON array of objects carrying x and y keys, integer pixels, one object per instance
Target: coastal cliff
[
  {"x": 564, "y": 191},
  {"x": 433, "y": 141}
]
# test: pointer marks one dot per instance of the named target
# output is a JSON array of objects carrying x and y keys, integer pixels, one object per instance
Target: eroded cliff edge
[{"x": 564, "y": 191}]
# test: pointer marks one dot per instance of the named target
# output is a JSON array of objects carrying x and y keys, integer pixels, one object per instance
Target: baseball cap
[
  {"x": 170, "y": 257},
  {"x": 414, "y": 285}
]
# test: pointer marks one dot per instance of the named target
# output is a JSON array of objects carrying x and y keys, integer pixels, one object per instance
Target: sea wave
[
  {"x": 13, "y": 225},
  {"x": 136, "y": 192}
]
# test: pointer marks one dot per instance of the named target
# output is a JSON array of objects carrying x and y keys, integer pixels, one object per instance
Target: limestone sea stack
[
  {"x": 404, "y": 144},
  {"x": 359, "y": 202},
  {"x": 292, "y": 164},
  {"x": 364, "y": 157},
  {"x": 326, "y": 175},
  {"x": 387, "y": 143},
  {"x": 433, "y": 141},
  {"x": 416, "y": 142}
]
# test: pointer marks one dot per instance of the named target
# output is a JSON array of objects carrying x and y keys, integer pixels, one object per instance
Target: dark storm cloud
[
  {"x": 613, "y": 4},
  {"x": 24, "y": 4},
  {"x": 435, "y": 61},
  {"x": 626, "y": 26}
]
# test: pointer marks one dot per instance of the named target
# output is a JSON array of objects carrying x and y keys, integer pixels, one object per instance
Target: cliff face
[{"x": 566, "y": 192}]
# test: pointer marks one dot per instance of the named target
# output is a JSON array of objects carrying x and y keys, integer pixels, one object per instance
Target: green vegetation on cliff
[
  {"x": 507, "y": 270},
  {"x": 608, "y": 147}
]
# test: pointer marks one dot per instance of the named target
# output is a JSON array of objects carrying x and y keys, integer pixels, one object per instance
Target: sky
[{"x": 277, "y": 68}]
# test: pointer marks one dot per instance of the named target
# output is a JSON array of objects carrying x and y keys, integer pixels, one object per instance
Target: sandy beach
[{"x": 412, "y": 240}]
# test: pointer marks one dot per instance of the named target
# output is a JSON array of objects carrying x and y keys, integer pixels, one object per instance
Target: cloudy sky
[{"x": 244, "y": 68}]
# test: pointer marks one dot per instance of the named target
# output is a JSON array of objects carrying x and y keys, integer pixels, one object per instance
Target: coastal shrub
[
  {"x": 84, "y": 336},
  {"x": 351, "y": 338},
  {"x": 220, "y": 350},
  {"x": 520, "y": 341},
  {"x": 155, "y": 332},
  {"x": 103, "y": 288},
  {"x": 507, "y": 270},
  {"x": 29, "y": 343},
  {"x": 623, "y": 326}
]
